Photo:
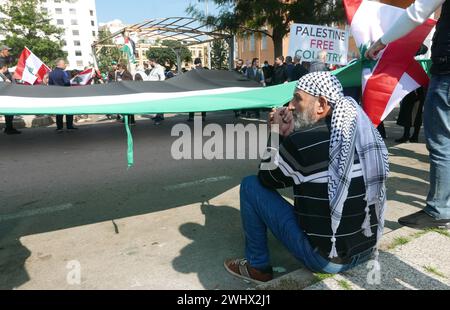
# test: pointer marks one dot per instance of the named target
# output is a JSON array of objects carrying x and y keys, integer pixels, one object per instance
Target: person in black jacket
[
  {"x": 280, "y": 74},
  {"x": 299, "y": 69},
  {"x": 60, "y": 77}
]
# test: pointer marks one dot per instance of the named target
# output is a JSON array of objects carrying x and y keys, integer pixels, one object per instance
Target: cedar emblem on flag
[{"x": 30, "y": 69}]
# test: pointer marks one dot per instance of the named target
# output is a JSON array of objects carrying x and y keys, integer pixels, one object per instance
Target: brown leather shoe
[{"x": 240, "y": 268}]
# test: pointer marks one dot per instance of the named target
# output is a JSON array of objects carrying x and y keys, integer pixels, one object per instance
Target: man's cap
[
  {"x": 113, "y": 62},
  {"x": 4, "y": 47}
]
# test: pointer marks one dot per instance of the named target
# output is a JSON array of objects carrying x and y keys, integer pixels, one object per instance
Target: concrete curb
[{"x": 303, "y": 278}]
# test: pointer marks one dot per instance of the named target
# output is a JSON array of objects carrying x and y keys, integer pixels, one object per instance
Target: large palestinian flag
[
  {"x": 396, "y": 73},
  {"x": 195, "y": 91}
]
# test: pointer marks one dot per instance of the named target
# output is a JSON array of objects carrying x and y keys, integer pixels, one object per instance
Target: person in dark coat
[
  {"x": 60, "y": 77},
  {"x": 280, "y": 75}
]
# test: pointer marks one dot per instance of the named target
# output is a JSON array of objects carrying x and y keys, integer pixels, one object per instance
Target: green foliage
[
  {"x": 28, "y": 27},
  {"x": 165, "y": 54},
  {"x": 106, "y": 55},
  {"x": 238, "y": 17},
  {"x": 219, "y": 55}
]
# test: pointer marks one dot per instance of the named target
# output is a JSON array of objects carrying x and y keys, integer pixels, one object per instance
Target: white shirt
[
  {"x": 157, "y": 74},
  {"x": 413, "y": 16}
]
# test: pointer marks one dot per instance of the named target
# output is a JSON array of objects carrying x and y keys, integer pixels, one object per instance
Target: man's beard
[{"x": 304, "y": 119}]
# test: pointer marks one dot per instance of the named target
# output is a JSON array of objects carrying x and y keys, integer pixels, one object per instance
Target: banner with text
[{"x": 307, "y": 41}]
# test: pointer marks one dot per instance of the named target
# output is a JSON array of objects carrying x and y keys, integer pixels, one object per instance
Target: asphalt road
[{"x": 164, "y": 224}]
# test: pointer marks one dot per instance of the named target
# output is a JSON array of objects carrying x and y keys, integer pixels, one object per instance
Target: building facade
[{"x": 78, "y": 18}]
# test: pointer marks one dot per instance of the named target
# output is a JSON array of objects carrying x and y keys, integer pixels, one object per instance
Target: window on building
[
  {"x": 63, "y": 42},
  {"x": 92, "y": 23},
  {"x": 44, "y": 10},
  {"x": 60, "y": 21},
  {"x": 94, "y": 33},
  {"x": 73, "y": 11},
  {"x": 58, "y": 11},
  {"x": 77, "y": 43},
  {"x": 79, "y": 63},
  {"x": 252, "y": 43},
  {"x": 74, "y": 22},
  {"x": 91, "y": 12},
  {"x": 78, "y": 53},
  {"x": 264, "y": 41},
  {"x": 76, "y": 32},
  {"x": 57, "y": 1}
]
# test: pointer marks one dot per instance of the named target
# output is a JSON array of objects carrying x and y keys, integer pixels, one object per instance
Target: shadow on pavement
[{"x": 220, "y": 238}]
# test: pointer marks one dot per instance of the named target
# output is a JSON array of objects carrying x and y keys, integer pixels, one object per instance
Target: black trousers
[
  {"x": 9, "y": 122},
  {"x": 60, "y": 121}
]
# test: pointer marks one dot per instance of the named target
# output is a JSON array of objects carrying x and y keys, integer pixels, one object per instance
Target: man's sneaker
[
  {"x": 59, "y": 130},
  {"x": 72, "y": 128},
  {"x": 241, "y": 268},
  {"x": 421, "y": 220},
  {"x": 12, "y": 132}
]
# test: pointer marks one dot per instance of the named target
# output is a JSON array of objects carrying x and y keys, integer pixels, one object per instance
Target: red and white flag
[
  {"x": 396, "y": 73},
  {"x": 30, "y": 69},
  {"x": 83, "y": 78}
]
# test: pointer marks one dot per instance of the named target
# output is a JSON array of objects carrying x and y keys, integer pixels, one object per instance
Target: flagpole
[{"x": 209, "y": 43}]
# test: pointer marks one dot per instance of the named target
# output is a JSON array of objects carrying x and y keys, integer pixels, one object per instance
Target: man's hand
[
  {"x": 374, "y": 50},
  {"x": 282, "y": 121}
]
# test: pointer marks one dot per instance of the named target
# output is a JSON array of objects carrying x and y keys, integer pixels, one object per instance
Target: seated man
[{"x": 337, "y": 163}]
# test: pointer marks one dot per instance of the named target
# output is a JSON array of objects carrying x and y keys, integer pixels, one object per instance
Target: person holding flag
[{"x": 437, "y": 108}]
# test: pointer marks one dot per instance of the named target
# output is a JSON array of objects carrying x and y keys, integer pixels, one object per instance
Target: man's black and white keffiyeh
[{"x": 351, "y": 130}]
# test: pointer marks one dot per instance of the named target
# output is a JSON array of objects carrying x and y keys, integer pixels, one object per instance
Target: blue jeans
[
  {"x": 262, "y": 208},
  {"x": 437, "y": 131}
]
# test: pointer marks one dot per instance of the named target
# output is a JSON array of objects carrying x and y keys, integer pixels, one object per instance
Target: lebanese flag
[
  {"x": 83, "y": 78},
  {"x": 395, "y": 73},
  {"x": 30, "y": 69}
]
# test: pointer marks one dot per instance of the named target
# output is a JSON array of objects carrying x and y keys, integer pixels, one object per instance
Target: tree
[
  {"x": 107, "y": 54},
  {"x": 30, "y": 27},
  {"x": 243, "y": 16},
  {"x": 165, "y": 53},
  {"x": 219, "y": 55}
]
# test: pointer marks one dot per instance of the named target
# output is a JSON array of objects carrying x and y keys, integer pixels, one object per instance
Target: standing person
[
  {"x": 60, "y": 77},
  {"x": 436, "y": 111},
  {"x": 124, "y": 75},
  {"x": 411, "y": 111},
  {"x": 320, "y": 64},
  {"x": 239, "y": 66},
  {"x": 254, "y": 73},
  {"x": 299, "y": 70},
  {"x": 156, "y": 74},
  {"x": 5, "y": 62},
  {"x": 112, "y": 74},
  {"x": 197, "y": 66},
  {"x": 290, "y": 68},
  {"x": 280, "y": 75},
  {"x": 268, "y": 73},
  {"x": 147, "y": 68}
]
